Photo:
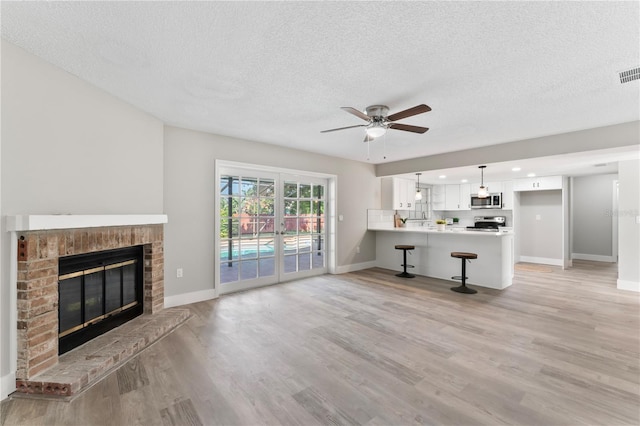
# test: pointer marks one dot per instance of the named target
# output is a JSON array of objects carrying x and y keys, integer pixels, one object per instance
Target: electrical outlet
[{"x": 179, "y": 273}]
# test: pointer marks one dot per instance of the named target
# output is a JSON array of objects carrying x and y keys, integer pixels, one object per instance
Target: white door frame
[
  {"x": 614, "y": 222},
  {"x": 330, "y": 210}
]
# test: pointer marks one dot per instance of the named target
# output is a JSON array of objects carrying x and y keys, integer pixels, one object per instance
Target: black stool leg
[
  {"x": 463, "y": 287},
  {"x": 405, "y": 274}
]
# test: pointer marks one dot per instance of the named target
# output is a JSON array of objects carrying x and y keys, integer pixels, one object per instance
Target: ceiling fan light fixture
[{"x": 376, "y": 130}]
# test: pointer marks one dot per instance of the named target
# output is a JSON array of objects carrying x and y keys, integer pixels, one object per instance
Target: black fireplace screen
[{"x": 98, "y": 292}]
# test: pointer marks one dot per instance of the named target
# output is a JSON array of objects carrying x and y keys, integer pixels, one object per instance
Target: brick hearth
[{"x": 37, "y": 284}]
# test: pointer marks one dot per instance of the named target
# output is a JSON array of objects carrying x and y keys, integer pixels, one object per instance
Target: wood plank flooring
[{"x": 368, "y": 348}]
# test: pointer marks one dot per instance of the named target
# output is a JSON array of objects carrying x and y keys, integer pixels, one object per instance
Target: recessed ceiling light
[
  {"x": 531, "y": 175},
  {"x": 516, "y": 169},
  {"x": 464, "y": 181},
  {"x": 442, "y": 177}
]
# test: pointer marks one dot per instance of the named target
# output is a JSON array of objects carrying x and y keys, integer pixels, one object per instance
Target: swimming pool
[{"x": 248, "y": 252}]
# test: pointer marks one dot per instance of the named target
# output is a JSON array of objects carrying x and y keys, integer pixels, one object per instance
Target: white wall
[
  {"x": 539, "y": 227},
  {"x": 189, "y": 190},
  {"x": 592, "y": 221},
  {"x": 69, "y": 147},
  {"x": 628, "y": 225}
]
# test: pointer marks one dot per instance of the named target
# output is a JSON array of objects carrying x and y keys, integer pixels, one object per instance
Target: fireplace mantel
[{"x": 69, "y": 221}]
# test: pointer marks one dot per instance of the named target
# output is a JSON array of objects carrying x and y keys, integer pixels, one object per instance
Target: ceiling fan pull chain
[
  {"x": 384, "y": 147},
  {"x": 368, "y": 156}
]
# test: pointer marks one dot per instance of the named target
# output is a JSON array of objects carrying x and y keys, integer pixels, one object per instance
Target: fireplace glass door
[{"x": 94, "y": 299}]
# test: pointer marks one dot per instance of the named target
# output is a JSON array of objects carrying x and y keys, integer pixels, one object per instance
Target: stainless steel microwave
[{"x": 491, "y": 201}]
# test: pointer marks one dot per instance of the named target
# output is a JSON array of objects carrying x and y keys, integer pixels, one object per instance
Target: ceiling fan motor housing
[{"x": 377, "y": 111}]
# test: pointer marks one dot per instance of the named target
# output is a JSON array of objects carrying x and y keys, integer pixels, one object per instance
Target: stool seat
[
  {"x": 405, "y": 248},
  {"x": 463, "y": 255}
]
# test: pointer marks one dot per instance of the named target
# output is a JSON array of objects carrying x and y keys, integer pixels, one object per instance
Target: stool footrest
[
  {"x": 408, "y": 266},
  {"x": 459, "y": 277}
]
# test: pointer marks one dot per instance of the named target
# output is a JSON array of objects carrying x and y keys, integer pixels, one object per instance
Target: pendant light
[
  {"x": 418, "y": 192},
  {"x": 482, "y": 191}
]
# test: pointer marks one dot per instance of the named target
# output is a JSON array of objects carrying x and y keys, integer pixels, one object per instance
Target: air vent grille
[{"x": 630, "y": 75}]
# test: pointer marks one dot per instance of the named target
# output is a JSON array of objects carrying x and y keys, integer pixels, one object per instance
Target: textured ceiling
[{"x": 278, "y": 72}]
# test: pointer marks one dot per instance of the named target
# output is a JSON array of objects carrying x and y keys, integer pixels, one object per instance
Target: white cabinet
[
  {"x": 398, "y": 193},
  {"x": 507, "y": 195},
  {"x": 457, "y": 197},
  {"x": 491, "y": 187},
  {"x": 495, "y": 187},
  {"x": 438, "y": 196},
  {"x": 465, "y": 196},
  {"x": 538, "y": 183}
]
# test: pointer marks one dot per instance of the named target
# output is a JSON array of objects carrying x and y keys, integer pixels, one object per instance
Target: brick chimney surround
[{"x": 38, "y": 241}]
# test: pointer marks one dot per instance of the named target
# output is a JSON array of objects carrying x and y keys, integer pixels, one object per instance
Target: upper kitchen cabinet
[
  {"x": 507, "y": 195},
  {"x": 398, "y": 193},
  {"x": 538, "y": 183},
  {"x": 492, "y": 187},
  {"x": 438, "y": 197},
  {"x": 457, "y": 197}
]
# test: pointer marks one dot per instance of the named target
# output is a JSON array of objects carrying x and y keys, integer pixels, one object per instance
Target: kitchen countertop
[{"x": 454, "y": 231}]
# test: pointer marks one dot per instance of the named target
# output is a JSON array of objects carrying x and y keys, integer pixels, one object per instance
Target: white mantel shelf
[{"x": 45, "y": 222}]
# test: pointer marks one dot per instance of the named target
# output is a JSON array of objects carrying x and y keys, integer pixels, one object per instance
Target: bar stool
[
  {"x": 463, "y": 287},
  {"x": 404, "y": 249}
]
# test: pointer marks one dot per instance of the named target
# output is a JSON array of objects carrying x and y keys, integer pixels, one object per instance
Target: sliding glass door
[{"x": 271, "y": 228}]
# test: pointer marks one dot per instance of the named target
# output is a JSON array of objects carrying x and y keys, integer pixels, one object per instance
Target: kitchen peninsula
[{"x": 432, "y": 255}]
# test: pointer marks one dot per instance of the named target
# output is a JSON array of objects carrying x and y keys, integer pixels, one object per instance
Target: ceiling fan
[{"x": 378, "y": 121}]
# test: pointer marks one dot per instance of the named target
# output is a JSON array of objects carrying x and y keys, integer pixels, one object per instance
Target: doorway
[{"x": 272, "y": 226}]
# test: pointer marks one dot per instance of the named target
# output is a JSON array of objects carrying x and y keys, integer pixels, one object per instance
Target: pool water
[{"x": 248, "y": 252}]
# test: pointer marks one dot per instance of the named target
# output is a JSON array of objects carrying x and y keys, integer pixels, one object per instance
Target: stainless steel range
[{"x": 487, "y": 223}]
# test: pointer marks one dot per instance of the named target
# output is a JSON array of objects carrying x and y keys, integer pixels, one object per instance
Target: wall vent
[{"x": 630, "y": 75}]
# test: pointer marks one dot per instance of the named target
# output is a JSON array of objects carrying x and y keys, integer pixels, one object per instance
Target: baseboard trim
[
  {"x": 355, "y": 267},
  {"x": 187, "y": 298},
  {"x": 542, "y": 260},
  {"x": 594, "y": 257},
  {"x": 7, "y": 385},
  {"x": 628, "y": 285}
]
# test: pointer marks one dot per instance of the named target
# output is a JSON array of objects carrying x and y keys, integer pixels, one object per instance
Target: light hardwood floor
[{"x": 556, "y": 348}]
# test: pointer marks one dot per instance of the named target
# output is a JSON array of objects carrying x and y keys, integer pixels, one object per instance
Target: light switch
[
  {"x": 638, "y": 220},
  {"x": 340, "y": 218},
  {"x": 538, "y": 217}
]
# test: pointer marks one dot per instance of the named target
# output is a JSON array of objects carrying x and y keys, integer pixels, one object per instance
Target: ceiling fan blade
[
  {"x": 408, "y": 128},
  {"x": 367, "y": 138},
  {"x": 419, "y": 109},
  {"x": 342, "y": 128},
  {"x": 357, "y": 113}
]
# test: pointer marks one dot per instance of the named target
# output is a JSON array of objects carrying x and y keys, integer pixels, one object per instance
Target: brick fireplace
[{"x": 36, "y": 277}]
